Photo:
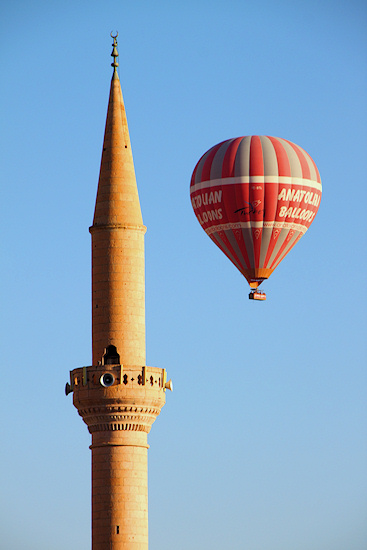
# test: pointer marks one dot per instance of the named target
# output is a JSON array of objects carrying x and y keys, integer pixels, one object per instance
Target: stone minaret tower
[{"x": 118, "y": 397}]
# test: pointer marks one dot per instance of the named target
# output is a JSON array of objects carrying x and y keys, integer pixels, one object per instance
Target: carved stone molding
[{"x": 131, "y": 400}]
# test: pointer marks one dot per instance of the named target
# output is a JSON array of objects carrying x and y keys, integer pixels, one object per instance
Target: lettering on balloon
[
  {"x": 302, "y": 209},
  {"x": 299, "y": 195},
  {"x": 204, "y": 199},
  {"x": 210, "y": 215},
  {"x": 296, "y": 213},
  {"x": 299, "y": 205},
  {"x": 207, "y": 199}
]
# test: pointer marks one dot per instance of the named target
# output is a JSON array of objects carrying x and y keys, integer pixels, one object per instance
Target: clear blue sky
[{"x": 262, "y": 444}]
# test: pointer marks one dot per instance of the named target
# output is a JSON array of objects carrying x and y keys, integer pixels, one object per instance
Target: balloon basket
[{"x": 257, "y": 295}]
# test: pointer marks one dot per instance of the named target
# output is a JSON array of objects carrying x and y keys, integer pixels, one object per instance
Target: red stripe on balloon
[
  {"x": 316, "y": 170},
  {"x": 256, "y": 194},
  {"x": 256, "y": 157},
  {"x": 273, "y": 241},
  {"x": 195, "y": 178},
  {"x": 205, "y": 174},
  {"x": 229, "y": 158},
  {"x": 306, "y": 173},
  {"x": 194, "y": 174},
  {"x": 241, "y": 242},
  {"x": 284, "y": 167},
  {"x": 281, "y": 249}
]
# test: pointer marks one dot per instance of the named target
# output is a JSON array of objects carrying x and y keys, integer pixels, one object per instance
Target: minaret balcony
[{"x": 117, "y": 397}]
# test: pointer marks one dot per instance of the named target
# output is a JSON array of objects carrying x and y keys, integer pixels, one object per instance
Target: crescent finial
[{"x": 114, "y": 54}]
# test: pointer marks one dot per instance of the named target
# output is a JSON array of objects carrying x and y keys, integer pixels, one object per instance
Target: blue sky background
[{"x": 262, "y": 444}]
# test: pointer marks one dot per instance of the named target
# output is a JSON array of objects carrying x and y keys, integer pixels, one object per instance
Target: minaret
[{"x": 118, "y": 397}]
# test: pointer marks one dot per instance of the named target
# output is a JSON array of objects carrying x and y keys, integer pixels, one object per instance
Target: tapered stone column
[{"x": 118, "y": 397}]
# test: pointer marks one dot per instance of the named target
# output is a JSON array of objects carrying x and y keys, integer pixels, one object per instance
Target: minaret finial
[{"x": 114, "y": 53}]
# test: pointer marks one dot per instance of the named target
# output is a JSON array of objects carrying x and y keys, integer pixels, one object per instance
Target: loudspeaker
[
  {"x": 107, "y": 379},
  {"x": 169, "y": 385}
]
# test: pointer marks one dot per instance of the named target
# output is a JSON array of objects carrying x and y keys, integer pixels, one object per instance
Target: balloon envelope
[{"x": 255, "y": 196}]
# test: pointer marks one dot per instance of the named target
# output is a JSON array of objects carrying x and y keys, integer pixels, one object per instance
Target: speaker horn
[
  {"x": 169, "y": 385},
  {"x": 68, "y": 388},
  {"x": 107, "y": 379}
]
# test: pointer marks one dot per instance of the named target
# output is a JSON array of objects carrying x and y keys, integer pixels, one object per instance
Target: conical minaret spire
[
  {"x": 117, "y": 196},
  {"x": 118, "y": 285},
  {"x": 118, "y": 396}
]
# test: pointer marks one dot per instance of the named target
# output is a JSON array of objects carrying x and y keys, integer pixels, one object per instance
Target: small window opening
[
  {"x": 117, "y": 529},
  {"x": 111, "y": 357}
]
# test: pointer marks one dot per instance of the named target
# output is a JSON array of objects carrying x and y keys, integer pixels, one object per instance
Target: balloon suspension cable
[{"x": 114, "y": 53}]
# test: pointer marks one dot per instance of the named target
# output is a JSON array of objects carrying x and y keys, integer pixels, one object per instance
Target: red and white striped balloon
[{"x": 255, "y": 196}]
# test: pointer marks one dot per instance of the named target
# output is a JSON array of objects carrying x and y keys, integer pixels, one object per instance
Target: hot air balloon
[{"x": 255, "y": 196}]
